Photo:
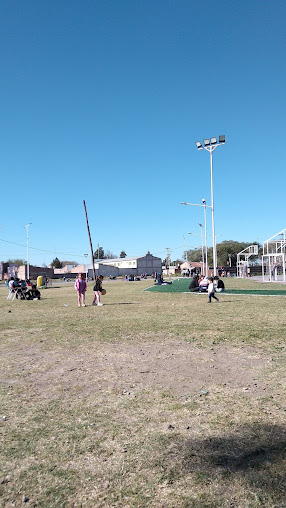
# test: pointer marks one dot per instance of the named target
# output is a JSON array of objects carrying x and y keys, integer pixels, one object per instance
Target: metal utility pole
[
  {"x": 205, "y": 216},
  {"x": 167, "y": 262},
  {"x": 86, "y": 255},
  {"x": 28, "y": 265},
  {"x": 206, "y": 247},
  {"x": 90, "y": 242},
  {"x": 203, "y": 257},
  {"x": 186, "y": 255}
]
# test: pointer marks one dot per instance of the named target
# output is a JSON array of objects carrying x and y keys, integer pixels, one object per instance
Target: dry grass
[{"x": 153, "y": 400}]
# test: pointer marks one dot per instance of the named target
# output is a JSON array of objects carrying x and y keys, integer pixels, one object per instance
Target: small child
[
  {"x": 80, "y": 287},
  {"x": 97, "y": 290},
  {"x": 211, "y": 291}
]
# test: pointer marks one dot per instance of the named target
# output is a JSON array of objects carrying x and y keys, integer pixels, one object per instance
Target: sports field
[{"x": 153, "y": 400}]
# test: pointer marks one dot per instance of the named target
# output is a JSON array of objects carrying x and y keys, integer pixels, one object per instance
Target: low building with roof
[
  {"x": 135, "y": 265},
  {"x": 192, "y": 267}
]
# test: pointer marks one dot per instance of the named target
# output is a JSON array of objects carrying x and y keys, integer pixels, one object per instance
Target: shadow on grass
[
  {"x": 122, "y": 303},
  {"x": 51, "y": 287},
  {"x": 255, "y": 455}
]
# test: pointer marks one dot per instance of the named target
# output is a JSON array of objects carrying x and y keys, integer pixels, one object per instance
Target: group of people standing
[
  {"x": 80, "y": 287},
  {"x": 211, "y": 285}
]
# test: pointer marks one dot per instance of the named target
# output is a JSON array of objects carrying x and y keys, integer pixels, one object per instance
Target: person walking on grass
[
  {"x": 97, "y": 290},
  {"x": 80, "y": 287},
  {"x": 211, "y": 291}
]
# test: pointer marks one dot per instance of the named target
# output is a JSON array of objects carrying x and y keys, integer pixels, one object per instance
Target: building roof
[
  {"x": 130, "y": 258},
  {"x": 191, "y": 264}
]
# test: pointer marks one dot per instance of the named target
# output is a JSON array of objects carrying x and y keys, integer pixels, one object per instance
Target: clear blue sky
[{"x": 103, "y": 100}]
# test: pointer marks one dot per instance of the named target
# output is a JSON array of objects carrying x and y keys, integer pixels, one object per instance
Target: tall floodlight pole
[
  {"x": 210, "y": 145},
  {"x": 28, "y": 267},
  {"x": 85, "y": 255}
]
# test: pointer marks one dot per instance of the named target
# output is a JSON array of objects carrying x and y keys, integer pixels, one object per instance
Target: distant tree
[
  {"x": 226, "y": 252},
  {"x": 194, "y": 255},
  {"x": 177, "y": 262},
  {"x": 109, "y": 255},
  {"x": 99, "y": 253},
  {"x": 56, "y": 263},
  {"x": 123, "y": 254},
  {"x": 19, "y": 262}
]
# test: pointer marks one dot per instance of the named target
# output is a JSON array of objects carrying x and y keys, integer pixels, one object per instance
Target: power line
[
  {"x": 42, "y": 250},
  {"x": 53, "y": 252}
]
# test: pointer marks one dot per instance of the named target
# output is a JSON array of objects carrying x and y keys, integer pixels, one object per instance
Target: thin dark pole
[{"x": 90, "y": 242}]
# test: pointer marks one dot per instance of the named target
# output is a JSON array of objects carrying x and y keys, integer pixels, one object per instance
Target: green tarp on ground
[{"x": 182, "y": 286}]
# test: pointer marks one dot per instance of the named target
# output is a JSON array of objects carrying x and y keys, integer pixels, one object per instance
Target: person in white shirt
[{"x": 211, "y": 291}]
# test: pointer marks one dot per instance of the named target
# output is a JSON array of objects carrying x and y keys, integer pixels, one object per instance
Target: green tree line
[{"x": 226, "y": 252}]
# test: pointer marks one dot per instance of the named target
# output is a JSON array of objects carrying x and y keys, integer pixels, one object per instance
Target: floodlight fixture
[
  {"x": 199, "y": 145},
  {"x": 210, "y": 144}
]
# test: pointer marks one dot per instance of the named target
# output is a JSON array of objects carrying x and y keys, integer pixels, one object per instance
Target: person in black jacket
[
  {"x": 97, "y": 290},
  {"x": 33, "y": 293},
  {"x": 194, "y": 284},
  {"x": 219, "y": 285}
]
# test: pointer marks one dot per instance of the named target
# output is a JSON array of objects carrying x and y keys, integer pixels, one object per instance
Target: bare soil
[{"x": 179, "y": 368}]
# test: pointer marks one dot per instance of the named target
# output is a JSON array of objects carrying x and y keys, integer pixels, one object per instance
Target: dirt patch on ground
[{"x": 179, "y": 368}]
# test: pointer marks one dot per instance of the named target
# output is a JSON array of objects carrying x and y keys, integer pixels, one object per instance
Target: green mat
[{"x": 182, "y": 286}]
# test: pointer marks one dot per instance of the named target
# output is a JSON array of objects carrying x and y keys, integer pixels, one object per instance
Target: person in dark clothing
[
  {"x": 194, "y": 284},
  {"x": 33, "y": 293},
  {"x": 97, "y": 290},
  {"x": 219, "y": 285}
]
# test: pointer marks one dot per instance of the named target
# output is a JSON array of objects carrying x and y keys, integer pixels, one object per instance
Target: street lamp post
[
  {"x": 205, "y": 220},
  {"x": 85, "y": 255},
  {"x": 201, "y": 235},
  {"x": 210, "y": 145},
  {"x": 203, "y": 257},
  {"x": 186, "y": 255},
  {"x": 28, "y": 267},
  {"x": 206, "y": 247}
]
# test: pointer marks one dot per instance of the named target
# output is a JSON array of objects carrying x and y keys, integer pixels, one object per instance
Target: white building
[{"x": 125, "y": 266}]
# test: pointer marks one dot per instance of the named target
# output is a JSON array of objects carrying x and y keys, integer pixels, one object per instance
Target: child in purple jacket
[{"x": 80, "y": 287}]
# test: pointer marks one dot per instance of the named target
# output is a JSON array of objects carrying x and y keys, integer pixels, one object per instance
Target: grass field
[
  {"x": 153, "y": 400},
  {"x": 181, "y": 285}
]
